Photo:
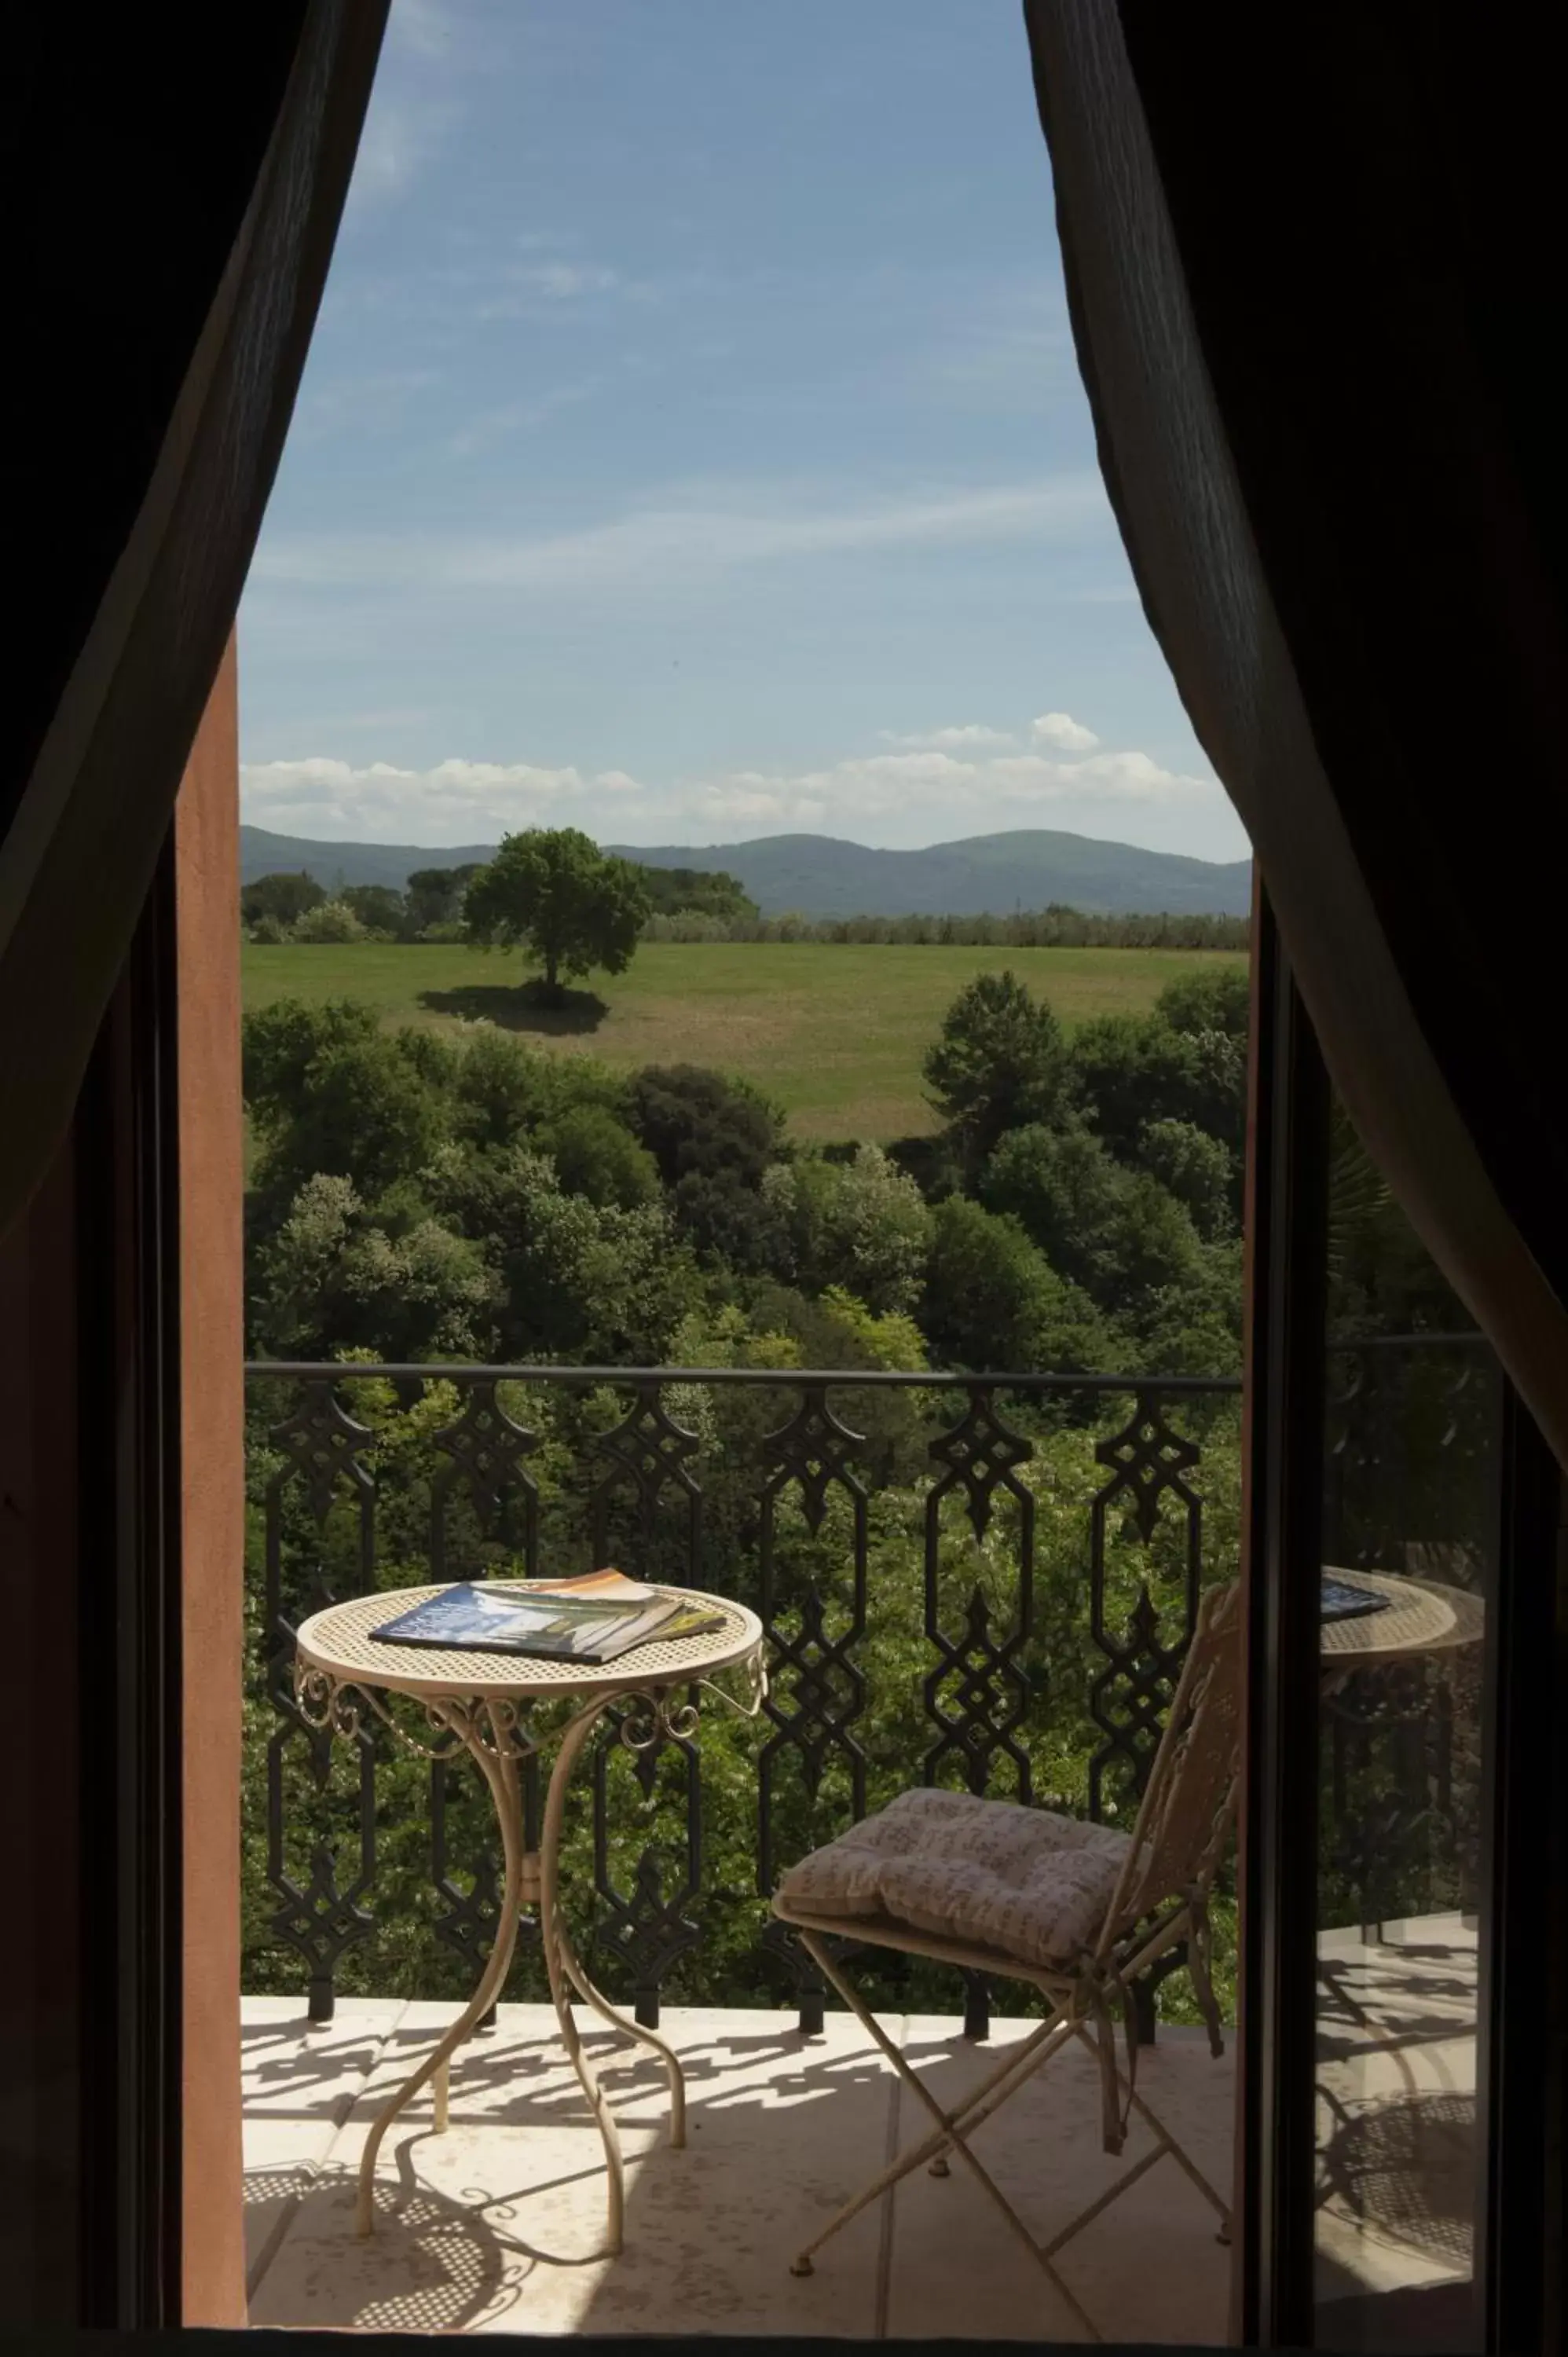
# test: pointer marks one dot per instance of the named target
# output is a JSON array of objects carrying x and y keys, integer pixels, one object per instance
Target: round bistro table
[{"x": 484, "y": 1704}]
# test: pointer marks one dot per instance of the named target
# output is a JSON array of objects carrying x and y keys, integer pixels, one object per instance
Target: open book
[{"x": 594, "y": 1618}]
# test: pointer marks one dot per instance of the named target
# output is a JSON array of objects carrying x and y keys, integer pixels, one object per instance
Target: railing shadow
[
  {"x": 501, "y": 2221},
  {"x": 499, "y": 2224}
]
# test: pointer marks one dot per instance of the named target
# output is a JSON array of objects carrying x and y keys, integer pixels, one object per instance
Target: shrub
[
  {"x": 333, "y": 920},
  {"x": 860, "y": 1224},
  {"x": 1197, "y": 1169},
  {"x": 595, "y": 1155}
]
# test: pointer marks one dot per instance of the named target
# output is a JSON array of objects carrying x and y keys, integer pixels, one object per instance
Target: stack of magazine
[
  {"x": 1347, "y": 1599},
  {"x": 594, "y": 1618}
]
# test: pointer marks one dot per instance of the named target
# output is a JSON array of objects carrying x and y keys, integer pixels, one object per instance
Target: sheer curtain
[{"x": 1310, "y": 270}]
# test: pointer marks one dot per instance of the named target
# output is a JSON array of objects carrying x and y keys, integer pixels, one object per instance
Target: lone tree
[{"x": 554, "y": 893}]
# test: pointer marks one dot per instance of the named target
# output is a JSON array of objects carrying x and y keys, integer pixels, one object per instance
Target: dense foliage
[
  {"x": 432, "y": 905},
  {"x": 1077, "y": 1211},
  {"x": 1056, "y": 927},
  {"x": 277, "y": 901},
  {"x": 703, "y": 894},
  {"x": 692, "y": 904}
]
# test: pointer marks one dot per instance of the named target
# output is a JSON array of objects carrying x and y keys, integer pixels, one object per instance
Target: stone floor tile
[
  {"x": 493, "y": 2225},
  {"x": 300, "y": 2080},
  {"x": 1043, "y": 2149}
]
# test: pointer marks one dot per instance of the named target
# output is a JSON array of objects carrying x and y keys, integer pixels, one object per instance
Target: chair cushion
[{"x": 989, "y": 1874}]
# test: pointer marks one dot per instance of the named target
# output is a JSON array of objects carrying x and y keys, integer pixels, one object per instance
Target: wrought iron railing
[
  {"x": 988, "y": 1581},
  {"x": 982, "y": 1580}
]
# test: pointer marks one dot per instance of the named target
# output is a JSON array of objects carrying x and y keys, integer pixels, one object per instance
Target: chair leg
[
  {"x": 949, "y": 2134},
  {"x": 1198, "y": 1952},
  {"x": 977, "y": 2106},
  {"x": 1163, "y": 2142},
  {"x": 931, "y": 2147}
]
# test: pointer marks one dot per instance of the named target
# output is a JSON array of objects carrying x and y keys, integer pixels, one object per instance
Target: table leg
[
  {"x": 566, "y": 1973},
  {"x": 499, "y": 1771}
]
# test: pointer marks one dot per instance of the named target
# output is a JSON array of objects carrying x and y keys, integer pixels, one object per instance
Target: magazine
[
  {"x": 1345, "y": 1600},
  {"x": 591, "y": 1619}
]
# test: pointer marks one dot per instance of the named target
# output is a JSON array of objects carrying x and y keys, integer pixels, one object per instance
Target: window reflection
[{"x": 1410, "y": 1518}]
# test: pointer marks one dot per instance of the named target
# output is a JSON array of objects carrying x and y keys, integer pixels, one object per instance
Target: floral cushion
[{"x": 989, "y": 1874}]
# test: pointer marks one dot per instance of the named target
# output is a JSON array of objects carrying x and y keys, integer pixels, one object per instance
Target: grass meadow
[{"x": 834, "y": 1033}]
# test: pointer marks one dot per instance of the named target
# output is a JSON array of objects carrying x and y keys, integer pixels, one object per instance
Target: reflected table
[
  {"x": 1395, "y": 2038},
  {"x": 495, "y": 1707},
  {"x": 1419, "y": 1618}
]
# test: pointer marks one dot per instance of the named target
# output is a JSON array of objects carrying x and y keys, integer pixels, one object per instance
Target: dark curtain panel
[
  {"x": 1314, "y": 262},
  {"x": 173, "y": 181}
]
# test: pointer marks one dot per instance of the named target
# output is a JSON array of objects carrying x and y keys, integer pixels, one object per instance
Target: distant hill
[
  {"x": 818, "y": 875},
  {"x": 331, "y": 864},
  {"x": 1027, "y": 868}
]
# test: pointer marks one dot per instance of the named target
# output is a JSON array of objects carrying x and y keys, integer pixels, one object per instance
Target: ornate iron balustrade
[
  {"x": 987, "y": 1581},
  {"x": 1019, "y": 1555}
]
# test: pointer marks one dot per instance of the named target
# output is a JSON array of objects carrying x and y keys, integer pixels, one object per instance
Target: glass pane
[{"x": 1410, "y": 1532}]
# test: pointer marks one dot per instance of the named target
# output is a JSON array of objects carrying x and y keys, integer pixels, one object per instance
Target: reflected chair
[{"x": 1076, "y": 1911}]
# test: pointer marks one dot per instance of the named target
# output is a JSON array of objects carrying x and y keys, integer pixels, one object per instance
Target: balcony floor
[{"x": 488, "y": 2228}]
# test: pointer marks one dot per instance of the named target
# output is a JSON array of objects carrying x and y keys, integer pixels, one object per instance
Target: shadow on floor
[
  {"x": 524, "y": 1007},
  {"x": 500, "y": 2226},
  {"x": 435, "y": 2265}
]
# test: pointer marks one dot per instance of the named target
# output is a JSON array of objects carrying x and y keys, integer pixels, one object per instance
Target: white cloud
[
  {"x": 971, "y": 736},
  {"x": 686, "y": 542},
  {"x": 454, "y": 802},
  {"x": 421, "y": 27},
  {"x": 526, "y": 285},
  {"x": 377, "y": 402},
  {"x": 915, "y": 795},
  {"x": 413, "y": 104},
  {"x": 968, "y": 795},
  {"x": 400, "y": 136},
  {"x": 492, "y": 426},
  {"x": 561, "y": 279},
  {"x": 1060, "y": 729},
  {"x": 760, "y": 805}
]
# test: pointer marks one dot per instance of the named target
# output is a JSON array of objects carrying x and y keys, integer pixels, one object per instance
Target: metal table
[{"x": 484, "y": 1704}]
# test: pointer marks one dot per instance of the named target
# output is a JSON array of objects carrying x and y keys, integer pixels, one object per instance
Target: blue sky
[{"x": 691, "y": 449}]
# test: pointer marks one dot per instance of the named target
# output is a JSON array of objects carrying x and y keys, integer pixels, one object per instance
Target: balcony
[
  {"x": 987, "y": 1582},
  {"x": 485, "y": 2229}
]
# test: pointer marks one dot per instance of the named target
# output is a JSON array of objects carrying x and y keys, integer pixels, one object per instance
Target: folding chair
[{"x": 1076, "y": 1911}]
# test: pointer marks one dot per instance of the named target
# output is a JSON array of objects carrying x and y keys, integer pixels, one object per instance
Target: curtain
[
  {"x": 174, "y": 180},
  {"x": 1310, "y": 270}
]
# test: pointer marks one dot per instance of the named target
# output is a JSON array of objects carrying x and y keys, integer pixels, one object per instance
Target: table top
[
  {"x": 339, "y": 1641},
  {"x": 1423, "y": 1617}
]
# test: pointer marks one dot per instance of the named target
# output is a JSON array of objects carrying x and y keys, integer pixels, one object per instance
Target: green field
[{"x": 834, "y": 1034}]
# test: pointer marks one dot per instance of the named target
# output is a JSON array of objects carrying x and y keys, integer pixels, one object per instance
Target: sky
[{"x": 691, "y": 449}]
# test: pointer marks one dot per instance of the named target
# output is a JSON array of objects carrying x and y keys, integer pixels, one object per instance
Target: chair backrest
[{"x": 1189, "y": 1802}]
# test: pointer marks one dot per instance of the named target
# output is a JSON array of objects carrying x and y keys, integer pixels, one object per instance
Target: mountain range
[{"x": 819, "y": 876}]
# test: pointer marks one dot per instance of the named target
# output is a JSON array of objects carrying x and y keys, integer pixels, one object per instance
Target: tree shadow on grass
[{"x": 526, "y": 1007}]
